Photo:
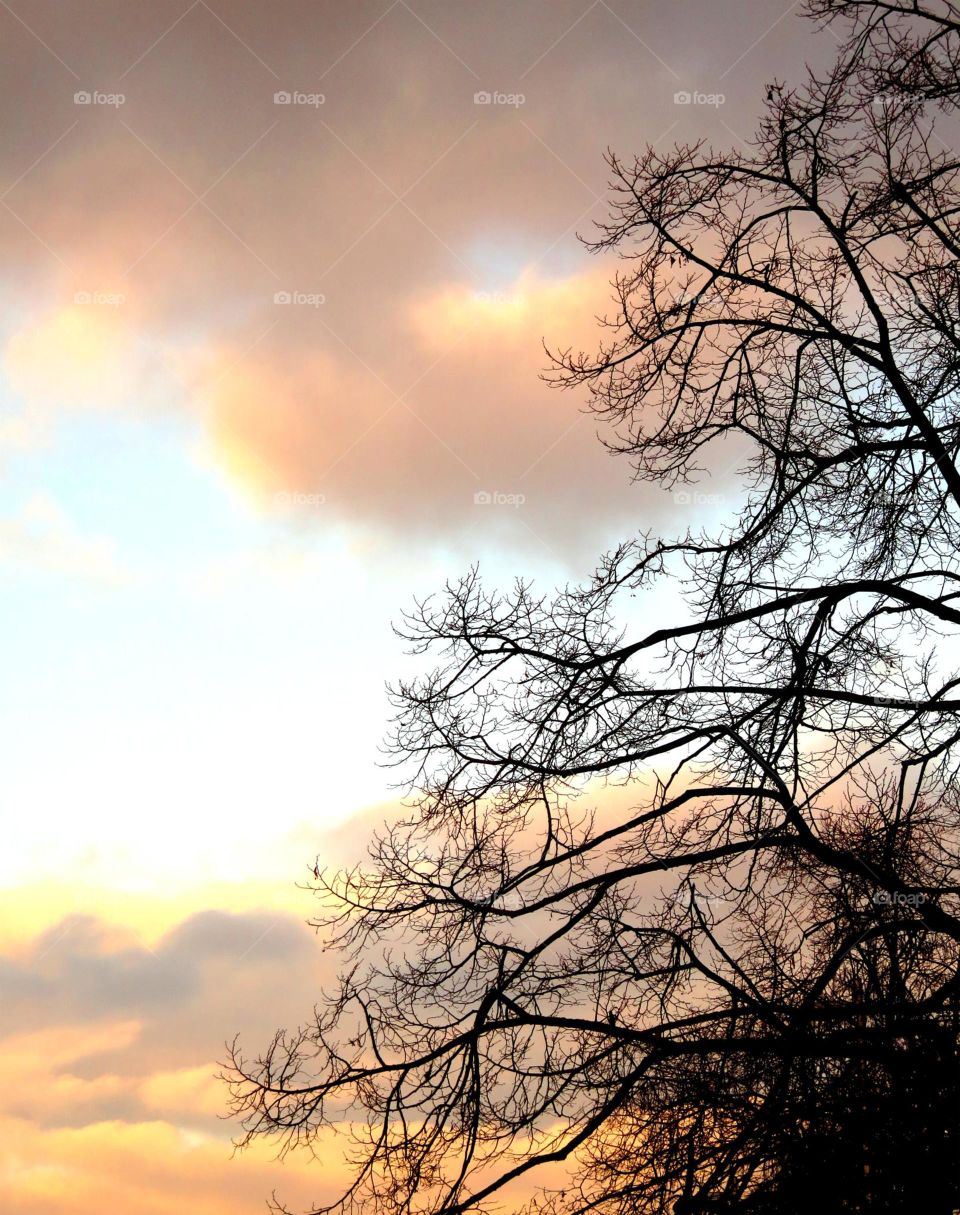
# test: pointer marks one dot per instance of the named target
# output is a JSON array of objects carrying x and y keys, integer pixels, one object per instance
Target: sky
[{"x": 277, "y": 279}]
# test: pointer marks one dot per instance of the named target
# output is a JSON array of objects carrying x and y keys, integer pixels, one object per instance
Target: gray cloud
[{"x": 213, "y": 975}]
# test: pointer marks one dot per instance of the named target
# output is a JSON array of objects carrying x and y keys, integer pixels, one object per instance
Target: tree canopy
[{"x": 738, "y": 989}]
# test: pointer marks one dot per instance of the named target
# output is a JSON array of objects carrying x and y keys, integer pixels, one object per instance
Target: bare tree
[{"x": 752, "y": 973}]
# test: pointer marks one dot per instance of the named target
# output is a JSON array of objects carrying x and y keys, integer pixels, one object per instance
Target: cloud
[
  {"x": 438, "y": 233},
  {"x": 112, "y": 1037},
  {"x": 199, "y": 984},
  {"x": 473, "y": 427},
  {"x": 147, "y": 1167},
  {"x": 38, "y": 1080},
  {"x": 516, "y": 316},
  {"x": 81, "y": 354},
  {"x": 108, "y": 1099},
  {"x": 41, "y": 537},
  {"x": 185, "y": 1092}
]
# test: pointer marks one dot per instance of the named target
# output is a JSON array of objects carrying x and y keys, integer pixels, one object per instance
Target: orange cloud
[
  {"x": 89, "y": 1122},
  {"x": 146, "y": 1168},
  {"x": 516, "y": 318},
  {"x": 187, "y": 1090},
  {"x": 36, "y": 1069},
  {"x": 282, "y": 423},
  {"x": 471, "y": 417}
]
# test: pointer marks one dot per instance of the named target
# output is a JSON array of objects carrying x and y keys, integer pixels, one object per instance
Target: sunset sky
[{"x": 257, "y": 362}]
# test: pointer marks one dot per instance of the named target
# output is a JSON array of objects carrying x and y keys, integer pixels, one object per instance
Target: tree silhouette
[{"x": 740, "y": 992}]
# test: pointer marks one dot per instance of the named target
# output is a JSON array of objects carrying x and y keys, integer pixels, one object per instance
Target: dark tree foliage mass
[{"x": 740, "y": 992}]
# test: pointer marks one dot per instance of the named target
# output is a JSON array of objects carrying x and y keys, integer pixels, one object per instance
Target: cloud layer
[
  {"x": 108, "y": 1061},
  {"x": 424, "y": 242}
]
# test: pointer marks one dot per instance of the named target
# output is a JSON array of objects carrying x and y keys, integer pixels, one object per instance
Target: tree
[{"x": 741, "y": 992}]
